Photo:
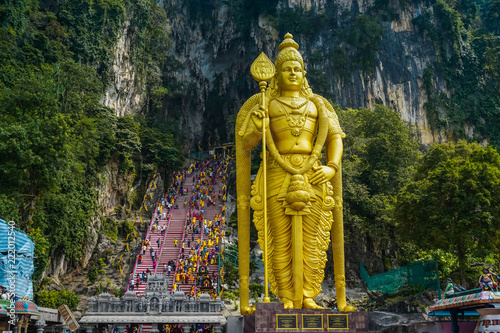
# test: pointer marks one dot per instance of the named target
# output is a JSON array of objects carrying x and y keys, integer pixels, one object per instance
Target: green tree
[
  {"x": 453, "y": 201},
  {"x": 230, "y": 274},
  {"x": 55, "y": 298},
  {"x": 379, "y": 153}
]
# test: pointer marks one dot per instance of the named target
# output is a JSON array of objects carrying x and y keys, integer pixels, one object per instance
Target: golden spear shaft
[
  {"x": 263, "y": 85},
  {"x": 263, "y": 70}
]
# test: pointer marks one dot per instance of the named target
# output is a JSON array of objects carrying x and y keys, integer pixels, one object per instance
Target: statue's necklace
[{"x": 296, "y": 118}]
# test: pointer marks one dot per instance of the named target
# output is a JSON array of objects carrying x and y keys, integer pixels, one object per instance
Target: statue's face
[{"x": 291, "y": 75}]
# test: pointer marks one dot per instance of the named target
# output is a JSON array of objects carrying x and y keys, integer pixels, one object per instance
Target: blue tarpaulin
[{"x": 22, "y": 268}]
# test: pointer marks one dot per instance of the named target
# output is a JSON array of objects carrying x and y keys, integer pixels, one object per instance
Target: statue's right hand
[{"x": 258, "y": 116}]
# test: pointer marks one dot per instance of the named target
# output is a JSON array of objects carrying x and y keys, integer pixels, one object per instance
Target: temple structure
[{"x": 155, "y": 308}]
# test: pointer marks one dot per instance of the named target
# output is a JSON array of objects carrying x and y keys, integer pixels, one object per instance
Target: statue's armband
[
  {"x": 246, "y": 133},
  {"x": 334, "y": 126}
]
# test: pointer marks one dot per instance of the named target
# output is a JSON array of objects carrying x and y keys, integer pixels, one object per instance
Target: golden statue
[{"x": 297, "y": 202}]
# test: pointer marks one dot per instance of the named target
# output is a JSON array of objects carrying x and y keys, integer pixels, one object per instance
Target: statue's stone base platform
[{"x": 272, "y": 317}]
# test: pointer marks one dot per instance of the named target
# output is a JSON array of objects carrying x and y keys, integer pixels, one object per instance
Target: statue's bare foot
[
  {"x": 288, "y": 303},
  {"x": 309, "y": 303},
  {"x": 347, "y": 308}
]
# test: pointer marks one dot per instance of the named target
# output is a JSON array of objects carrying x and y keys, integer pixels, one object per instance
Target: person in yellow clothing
[
  {"x": 175, "y": 241},
  {"x": 174, "y": 287},
  {"x": 177, "y": 277}
]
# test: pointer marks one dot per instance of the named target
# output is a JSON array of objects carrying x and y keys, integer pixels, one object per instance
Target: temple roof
[
  {"x": 475, "y": 300},
  {"x": 177, "y": 317}
]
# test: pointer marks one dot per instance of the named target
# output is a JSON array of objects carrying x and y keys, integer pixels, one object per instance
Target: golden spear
[{"x": 262, "y": 71}]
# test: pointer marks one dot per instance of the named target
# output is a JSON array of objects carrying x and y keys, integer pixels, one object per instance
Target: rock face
[
  {"x": 215, "y": 49},
  {"x": 125, "y": 94},
  {"x": 114, "y": 190}
]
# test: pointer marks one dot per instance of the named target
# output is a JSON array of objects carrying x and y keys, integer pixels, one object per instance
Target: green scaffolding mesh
[{"x": 423, "y": 274}]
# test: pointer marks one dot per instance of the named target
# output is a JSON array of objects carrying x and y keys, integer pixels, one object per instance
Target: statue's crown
[
  {"x": 288, "y": 42},
  {"x": 288, "y": 51}
]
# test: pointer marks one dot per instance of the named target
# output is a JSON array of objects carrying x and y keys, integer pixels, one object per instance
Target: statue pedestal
[{"x": 272, "y": 317}]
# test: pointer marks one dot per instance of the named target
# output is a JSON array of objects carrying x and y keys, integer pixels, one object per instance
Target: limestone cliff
[
  {"x": 116, "y": 191},
  {"x": 125, "y": 94},
  {"x": 215, "y": 49}
]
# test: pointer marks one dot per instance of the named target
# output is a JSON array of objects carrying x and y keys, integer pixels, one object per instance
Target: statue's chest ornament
[{"x": 296, "y": 114}]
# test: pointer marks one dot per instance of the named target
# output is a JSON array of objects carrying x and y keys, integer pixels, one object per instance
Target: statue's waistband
[{"x": 295, "y": 160}]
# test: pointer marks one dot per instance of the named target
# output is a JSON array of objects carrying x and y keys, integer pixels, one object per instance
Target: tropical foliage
[
  {"x": 55, "y": 136},
  {"x": 453, "y": 201}
]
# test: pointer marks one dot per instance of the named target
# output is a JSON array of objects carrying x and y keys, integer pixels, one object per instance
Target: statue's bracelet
[{"x": 333, "y": 165}]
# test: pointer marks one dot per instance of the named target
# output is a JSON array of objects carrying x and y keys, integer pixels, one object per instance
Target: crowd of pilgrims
[{"x": 202, "y": 236}]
